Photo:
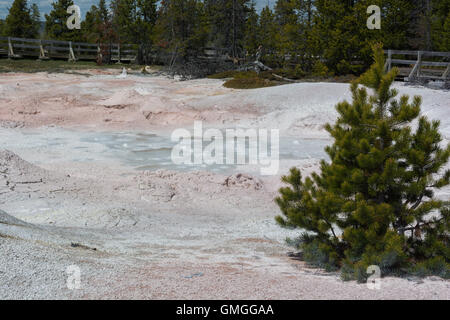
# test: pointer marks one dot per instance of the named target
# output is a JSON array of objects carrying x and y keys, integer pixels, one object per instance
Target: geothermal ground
[{"x": 86, "y": 180}]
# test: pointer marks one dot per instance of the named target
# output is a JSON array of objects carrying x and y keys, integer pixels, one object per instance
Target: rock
[
  {"x": 123, "y": 74},
  {"x": 295, "y": 255},
  {"x": 243, "y": 180},
  {"x": 199, "y": 274},
  {"x": 82, "y": 246}
]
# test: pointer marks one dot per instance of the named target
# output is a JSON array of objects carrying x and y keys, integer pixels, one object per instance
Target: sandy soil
[{"x": 163, "y": 234}]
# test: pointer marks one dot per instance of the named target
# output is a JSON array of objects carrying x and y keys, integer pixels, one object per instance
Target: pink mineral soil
[{"x": 161, "y": 233}]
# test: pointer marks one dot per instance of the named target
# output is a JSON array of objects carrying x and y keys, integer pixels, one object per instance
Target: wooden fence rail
[
  {"x": 73, "y": 51},
  {"x": 440, "y": 70}
]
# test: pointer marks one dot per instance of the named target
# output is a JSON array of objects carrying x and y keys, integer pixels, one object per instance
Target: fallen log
[
  {"x": 283, "y": 78},
  {"x": 256, "y": 66}
]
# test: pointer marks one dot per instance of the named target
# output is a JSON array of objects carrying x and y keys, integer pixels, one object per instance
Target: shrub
[
  {"x": 248, "y": 83},
  {"x": 321, "y": 70}
]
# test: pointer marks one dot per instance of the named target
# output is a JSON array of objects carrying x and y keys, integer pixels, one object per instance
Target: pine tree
[
  {"x": 35, "y": 20},
  {"x": 103, "y": 11},
  {"x": 394, "y": 32},
  {"x": 252, "y": 40},
  {"x": 56, "y": 23},
  {"x": 289, "y": 33},
  {"x": 340, "y": 35},
  {"x": 227, "y": 20},
  {"x": 181, "y": 27},
  {"x": 91, "y": 25},
  {"x": 267, "y": 29},
  {"x": 146, "y": 21},
  {"x": 2, "y": 28},
  {"x": 97, "y": 25},
  {"x": 18, "y": 23},
  {"x": 124, "y": 17},
  {"x": 441, "y": 25},
  {"x": 378, "y": 188}
]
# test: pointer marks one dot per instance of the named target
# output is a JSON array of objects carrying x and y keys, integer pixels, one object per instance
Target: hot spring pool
[{"x": 136, "y": 150}]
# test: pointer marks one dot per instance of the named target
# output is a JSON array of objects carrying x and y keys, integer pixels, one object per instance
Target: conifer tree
[
  {"x": 146, "y": 20},
  {"x": 124, "y": 19},
  {"x": 56, "y": 23},
  {"x": 97, "y": 25},
  {"x": 441, "y": 25},
  {"x": 288, "y": 37},
  {"x": 374, "y": 203},
  {"x": 91, "y": 25},
  {"x": 103, "y": 11},
  {"x": 2, "y": 28},
  {"x": 267, "y": 28},
  {"x": 35, "y": 20},
  {"x": 18, "y": 23},
  {"x": 227, "y": 19},
  {"x": 340, "y": 34},
  {"x": 252, "y": 36},
  {"x": 181, "y": 27}
]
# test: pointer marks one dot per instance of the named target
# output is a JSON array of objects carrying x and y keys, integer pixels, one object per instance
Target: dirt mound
[
  {"x": 18, "y": 175},
  {"x": 12, "y": 164},
  {"x": 10, "y": 220}
]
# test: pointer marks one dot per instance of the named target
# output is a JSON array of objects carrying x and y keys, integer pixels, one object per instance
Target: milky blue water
[{"x": 136, "y": 150}]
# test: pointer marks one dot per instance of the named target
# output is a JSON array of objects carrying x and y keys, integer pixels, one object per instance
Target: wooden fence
[
  {"x": 425, "y": 67},
  {"x": 413, "y": 65},
  {"x": 15, "y": 48}
]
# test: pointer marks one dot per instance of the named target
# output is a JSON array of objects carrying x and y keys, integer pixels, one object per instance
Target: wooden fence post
[
  {"x": 419, "y": 63},
  {"x": 99, "y": 54},
  {"x": 446, "y": 72},
  {"x": 10, "y": 49},
  {"x": 41, "y": 51},
  {"x": 71, "y": 54},
  {"x": 389, "y": 60}
]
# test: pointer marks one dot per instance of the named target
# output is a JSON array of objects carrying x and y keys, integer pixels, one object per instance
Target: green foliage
[
  {"x": 440, "y": 24},
  {"x": 19, "y": 22},
  {"x": 432, "y": 266},
  {"x": 268, "y": 30},
  {"x": 252, "y": 36},
  {"x": 35, "y": 20},
  {"x": 182, "y": 27},
  {"x": 124, "y": 19},
  {"x": 320, "y": 70},
  {"x": 227, "y": 20},
  {"x": 374, "y": 203},
  {"x": 56, "y": 23},
  {"x": 2, "y": 28},
  {"x": 97, "y": 26},
  {"x": 249, "y": 83},
  {"x": 223, "y": 75},
  {"x": 341, "y": 36},
  {"x": 294, "y": 35}
]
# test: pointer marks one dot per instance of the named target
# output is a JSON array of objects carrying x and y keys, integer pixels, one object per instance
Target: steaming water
[{"x": 136, "y": 150}]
